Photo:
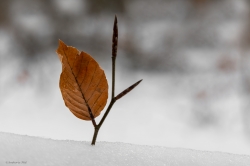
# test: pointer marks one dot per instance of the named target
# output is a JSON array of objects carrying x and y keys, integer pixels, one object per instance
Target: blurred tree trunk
[
  {"x": 4, "y": 15},
  {"x": 99, "y": 6}
]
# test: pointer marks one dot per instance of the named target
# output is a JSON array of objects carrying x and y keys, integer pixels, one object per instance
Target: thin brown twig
[{"x": 123, "y": 93}]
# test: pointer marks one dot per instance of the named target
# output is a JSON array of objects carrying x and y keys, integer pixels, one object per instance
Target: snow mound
[{"x": 35, "y": 151}]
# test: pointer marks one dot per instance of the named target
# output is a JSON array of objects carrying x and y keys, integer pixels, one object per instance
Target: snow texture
[{"x": 35, "y": 151}]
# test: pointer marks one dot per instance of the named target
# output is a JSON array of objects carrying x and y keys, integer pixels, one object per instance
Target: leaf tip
[
  {"x": 60, "y": 42},
  {"x": 58, "y": 51}
]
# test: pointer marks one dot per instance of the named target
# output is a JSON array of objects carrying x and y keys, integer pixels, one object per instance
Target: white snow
[{"x": 36, "y": 151}]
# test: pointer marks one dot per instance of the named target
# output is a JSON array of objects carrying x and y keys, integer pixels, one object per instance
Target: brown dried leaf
[{"x": 83, "y": 83}]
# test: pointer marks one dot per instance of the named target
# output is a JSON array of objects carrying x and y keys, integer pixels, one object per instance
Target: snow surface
[{"x": 36, "y": 151}]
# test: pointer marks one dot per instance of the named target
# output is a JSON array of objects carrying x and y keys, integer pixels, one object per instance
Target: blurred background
[{"x": 193, "y": 57}]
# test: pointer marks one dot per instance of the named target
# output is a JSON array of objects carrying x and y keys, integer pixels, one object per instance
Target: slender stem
[
  {"x": 113, "y": 77},
  {"x": 95, "y": 135},
  {"x": 107, "y": 112},
  {"x": 102, "y": 120},
  {"x": 114, "y": 53},
  {"x": 113, "y": 98}
]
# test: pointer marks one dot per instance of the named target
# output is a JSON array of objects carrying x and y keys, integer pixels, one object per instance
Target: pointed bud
[
  {"x": 115, "y": 39},
  {"x": 123, "y": 93}
]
